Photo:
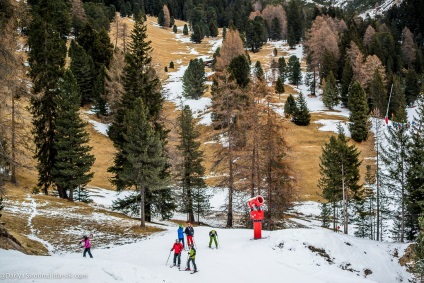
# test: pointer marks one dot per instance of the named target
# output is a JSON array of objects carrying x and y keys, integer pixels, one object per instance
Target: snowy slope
[{"x": 283, "y": 257}]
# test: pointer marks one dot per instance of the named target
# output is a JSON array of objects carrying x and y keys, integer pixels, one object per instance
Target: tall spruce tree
[
  {"x": 414, "y": 175},
  {"x": 347, "y": 77},
  {"x": 140, "y": 81},
  {"x": 394, "y": 155},
  {"x": 294, "y": 73},
  {"x": 282, "y": 68},
  {"x": 339, "y": 170},
  {"x": 359, "y": 112},
  {"x": 301, "y": 116},
  {"x": 377, "y": 93},
  {"x": 194, "y": 79},
  {"x": 197, "y": 35},
  {"x": 73, "y": 161},
  {"x": 144, "y": 152},
  {"x": 47, "y": 52},
  {"x": 194, "y": 198},
  {"x": 290, "y": 106},
  {"x": 330, "y": 96},
  {"x": 279, "y": 87},
  {"x": 258, "y": 71}
]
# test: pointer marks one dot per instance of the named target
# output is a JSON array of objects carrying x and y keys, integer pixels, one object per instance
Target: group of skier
[{"x": 179, "y": 246}]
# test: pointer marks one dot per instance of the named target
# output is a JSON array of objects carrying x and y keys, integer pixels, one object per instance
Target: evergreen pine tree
[
  {"x": 282, "y": 68},
  {"x": 171, "y": 64},
  {"x": 419, "y": 251},
  {"x": 301, "y": 116},
  {"x": 294, "y": 22},
  {"x": 294, "y": 73},
  {"x": 358, "y": 118},
  {"x": 140, "y": 81},
  {"x": 290, "y": 106},
  {"x": 213, "y": 28},
  {"x": 325, "y": 215},
  {"x": 191, "y": 169},
  {"x": 330, "y": 95},
  {"x": 224, "y": 32},
  {"x": 174, "y": 29},
  {"x": 339, "y": 170},
  {"x": 414, "y": 174},
  {"x": 291, "y": 38},
  {"x": 99, "y": 93},
  {"x": 194, "y": 79},
  {"x": 279, "y": 87},
  {"x": 82, "y": 68},
  {"x": 197, "y": 35},
  {"x": 412, "y": 86},
  {"x": 394, "y": 155},
  {"x": 47, "y": 52},
  {"x": 144, "y": 152},
  {"x": 240, "y": 70},
  {"x": 161, "y": 19},
  {"x": 275, "y": 29},
  {"x": 258, "y": 71},
  {"x": 185, "y": 29},
  {"x": 347, "y": 77},
  {"x": 72, "y": 164},
  {"x": 377, "y": 93}
]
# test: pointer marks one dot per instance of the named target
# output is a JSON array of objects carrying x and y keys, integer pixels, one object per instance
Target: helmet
[{"x": 177, "y": 241}]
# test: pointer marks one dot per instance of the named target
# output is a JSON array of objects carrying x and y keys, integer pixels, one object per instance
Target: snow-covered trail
[{"x": 33, "y": 231}]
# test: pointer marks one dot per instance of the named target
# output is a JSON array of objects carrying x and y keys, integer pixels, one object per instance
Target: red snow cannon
[{"x": 257, "y": 215}]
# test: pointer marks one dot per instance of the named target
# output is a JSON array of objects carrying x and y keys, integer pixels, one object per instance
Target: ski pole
[{"x": 168, "y": 257}]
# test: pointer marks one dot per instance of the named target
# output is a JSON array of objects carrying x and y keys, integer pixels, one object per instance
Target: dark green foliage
[
  {"x": 213, "y": 28},
  {"x": 166, "y": 69},
  {"x": 256, "y": 34},
  {"x": 97, "y": 15},
  {"x": 73, "y": 161},
  {"x": 329, "y": 64},
  {"x": 171, "y": 64},
  {"x": 339, "y": 164},
  {"x": 140, "y": 81},
  {"x": 412, "y": 86},
  {"x": 259, "y": 72},
  {"x": 123, "y": 11},
  {"x": 174, "y": 29},
  {"x": 290, "y": 106},
  {"x": 294, "y": 73},
  {"x": 275, "y": 30},
  {"x": 301, "y": 116},
  {"x": 194, "y": 79},
  {"x": 185, "y": 29},
  {"x": 419, "y": 250},
  {"x": 240, "y": 70},
  {"x": 377, "y": 93},
  {"x": 224, "y": 32},
  {"x": 331, "y": 95},
  {"x": 137, "y": 10},
  {"x": 279, "y": 86},
  {"x": 294, "y": 22},
  {"x": 47, "y": 58},
  {"x": 191, "y": 170},
  {"x": 128, "y": 8},
  {"x": 197, "y": 35},
  {"x": 414, "y": 175},
  {"x": 82, "y": 69},
  {"x": 99, "y": 93},
  {"x": 358, "y": 118},
  {"x": 397, "y": 106},
  {"x": 325, "y": 215},
  {"x": 282, "y": 68},
  {"x": 347, "y": 77},
  {"x": 161, "y": 18},
  {"x": 214, "y": 56},
  {"x": 142, "y": 148}
]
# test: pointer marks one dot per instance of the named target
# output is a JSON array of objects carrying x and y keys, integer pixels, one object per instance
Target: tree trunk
[{"x": 142, "y": 212}]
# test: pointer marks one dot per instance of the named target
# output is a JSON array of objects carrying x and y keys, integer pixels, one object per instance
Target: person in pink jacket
[{"x": 87, "y": 246}]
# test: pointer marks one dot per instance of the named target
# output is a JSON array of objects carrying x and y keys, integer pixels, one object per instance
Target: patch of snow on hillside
[
  {"x": 100, "y": 127},
  {"x": 332, "y": 126}
]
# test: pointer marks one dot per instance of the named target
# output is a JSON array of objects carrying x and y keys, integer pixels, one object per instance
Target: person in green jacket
[
  {"x": 212, "y": 236},
  {"x": 192, "y": 258}
]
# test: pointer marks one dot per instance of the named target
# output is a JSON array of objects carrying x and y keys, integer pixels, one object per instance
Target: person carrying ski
[
  {"x": 87, "y": 245},
  {"x": 212, "y": 236},
  {"x": 181, "y": 234},
  {"x": 189, "y": 231},
  {"x": 192, "y": 258},
  {"x": 177, "y": 248}
]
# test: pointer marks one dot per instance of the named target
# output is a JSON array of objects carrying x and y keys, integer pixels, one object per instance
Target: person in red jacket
[{"x": 177, "y": 248}]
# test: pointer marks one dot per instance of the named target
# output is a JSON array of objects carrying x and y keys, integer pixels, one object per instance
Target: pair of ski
[{"x": 191, "y": 272}]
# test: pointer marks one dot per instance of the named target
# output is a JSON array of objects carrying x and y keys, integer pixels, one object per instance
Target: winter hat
[
  {"x": 177, "y": 241},
  {"x": 181, "y": 225}
]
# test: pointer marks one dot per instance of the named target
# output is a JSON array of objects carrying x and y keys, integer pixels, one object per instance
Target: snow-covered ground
[{"x": 291, "y": 255}]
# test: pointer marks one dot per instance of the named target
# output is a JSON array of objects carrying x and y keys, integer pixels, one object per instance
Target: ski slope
[{"x": 284, "y": 256}]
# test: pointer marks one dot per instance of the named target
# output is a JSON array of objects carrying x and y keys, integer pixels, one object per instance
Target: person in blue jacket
[{"x": 181, "y": 234}]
